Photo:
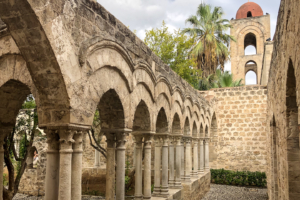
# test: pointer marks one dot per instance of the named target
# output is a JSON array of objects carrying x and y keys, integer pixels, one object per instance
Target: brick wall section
[{"x": 240, "y": 143}]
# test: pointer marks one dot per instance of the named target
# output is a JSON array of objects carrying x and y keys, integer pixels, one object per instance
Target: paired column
[
  {"x": 171, "y": 163},
  {"x": 120, "y": 180},
  {"x": 138, "y": 168},
  {"x": 195, "y": 152},
  {"x": 77, "y": 165},
  {"x": 179, "y": 167},
  {"x": 164, "y": 181},
  {"x": 157, "y": 165},
  {"x": 182, "y": 170},
  {"x": 206, "y": 143},
  {"x": 188, "y": 159},
  {"x": 201, "y": 156},
  {"x": 147, "y": 167},
  {"x": 110, "y": 166},
  {"x": 3, "y": 134}
]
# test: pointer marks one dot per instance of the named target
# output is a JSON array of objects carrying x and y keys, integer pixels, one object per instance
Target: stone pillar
[
  {"x": 199, "y": 152},
  {"x": 188, "y": 158},
  {"x": 65, "y": 165},
  {"x": 195, "y": 167},
  {"x": 206, "y": 141},
  {"x": 52, "y": 168},
  {"x": 178, "y": 162},
  {"x": 120, "y": 180},
  {"x": 77, "y": 165},
  {"x": 3, "y": 134},
  {"x": 182, "y": 160},
  {"x": 97, "y": 159},
  {"x": 201, "y": 156},
  {"x": 138, "y": 168},
  {"x": 157, "y": 165},
  {"x": 110, "y": 166},
  {"x": 147, "y": 167},
  {"x": 164, "y": 176},
  {"x": 171, "y": 163}
]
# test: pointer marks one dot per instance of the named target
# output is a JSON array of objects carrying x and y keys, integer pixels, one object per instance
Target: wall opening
[
  {"x": 250, "y": 40},
  {"x": 251, "y": 78},
  {"x": 249, "y": 14},
  {"x": 293, "y": 150},
  {"x": 162, "y": 122},
  {"x": 187, "y": 127},
  {"x": 176, "y": 128}
]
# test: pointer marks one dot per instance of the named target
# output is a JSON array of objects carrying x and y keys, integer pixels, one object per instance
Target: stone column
[
  {"x": 120, "y": 180},
  {"x": 3, "y": 134},
  {"x": 147, "y": 167},
  {"x": 195, "y": 167},
  {"x": 164, "y": 176},
  {"x": 138, "y": 168},
  {"x": 201, "y": 156},
  {"x": 110, "y": 166},
  {"x": 206, "y": 141},
  {"x": 97, "y": 159},
  {"x": 157, "y": 165},
  {"x": 178, "y": 162},
  {"x": 52, "y": 168},
  {"x": 182, "y": 171},
  {"x": 65, "y": 165},
  {"x": 171, "y": 163},
  {"x": 77, "y": 165},
  {"x": 188, "y": 158}
]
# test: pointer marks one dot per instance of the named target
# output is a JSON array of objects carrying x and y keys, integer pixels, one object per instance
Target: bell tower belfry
[{"x": 250, "y": 28}]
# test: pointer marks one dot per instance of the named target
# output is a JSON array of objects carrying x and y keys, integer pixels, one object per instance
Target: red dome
[{"x": 249, "y": 8}]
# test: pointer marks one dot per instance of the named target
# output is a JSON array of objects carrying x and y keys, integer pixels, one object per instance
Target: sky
[{"x": 141, "y": 15}]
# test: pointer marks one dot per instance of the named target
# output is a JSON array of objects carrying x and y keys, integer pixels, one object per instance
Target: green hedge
[{"x": 241, "y": 178}]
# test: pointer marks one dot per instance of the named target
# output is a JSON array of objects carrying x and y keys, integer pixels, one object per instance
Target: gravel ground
[
  {"x": 225, "y": 192},
  {"x": 217, "y": 192}
]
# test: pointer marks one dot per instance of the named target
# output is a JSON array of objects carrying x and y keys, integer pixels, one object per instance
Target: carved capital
[
  {"x": 78, "y": 139},
  {"x": 110, "y": 140},
  {"x": 52, "y": 140},
  {"x": 121, "y": 140},
  {"x": 138, "y": 141},
  {"x": 148, "y": 141}
]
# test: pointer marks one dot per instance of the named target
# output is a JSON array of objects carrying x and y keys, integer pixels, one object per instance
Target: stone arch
[
  {"x": 142, "y": 75},
  {"x": 274, "y": 157},
  {"x": 187, "y": 127},
  {"x": 162, "y": 102},
  {"x": 95, "y": 87},
  {"x": 293, "y": 150},
  {"x": 250, "y": 39},
  {"x": 163, "y": 87},
  {"x": 111, "y": 111},
  {"x": 178, "y": 96},
  {"x": 142, "y": 120},
  {"x": 162, "y": 122},
  {"x": 202, "y": 130},
  {"x": 41, "y": 61},
  {"x": 176, "y": 125}
]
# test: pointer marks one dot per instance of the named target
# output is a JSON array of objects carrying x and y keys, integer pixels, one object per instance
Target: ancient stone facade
[
  {"x": 253, "y": 30},
  {"x": 283, "y": 102},
  {"x": 239, "y": 143},
  {"x": 75, "y": 58}
]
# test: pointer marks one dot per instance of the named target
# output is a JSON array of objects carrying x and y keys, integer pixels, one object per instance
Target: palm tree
[{"x": 211, "y": 45}]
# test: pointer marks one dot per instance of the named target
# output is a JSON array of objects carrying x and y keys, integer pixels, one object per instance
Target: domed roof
[{"x": 248, "y": 7}]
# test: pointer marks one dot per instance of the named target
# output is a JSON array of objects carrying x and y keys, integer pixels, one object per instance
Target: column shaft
[
  {"x": 77, "y": 166},
  {"x": 206, "y": 154},
  {"x": 65, "y": 165},
  {"x": 195, "y": 167},
  {"x": 120, "y": 181},
  {"x": 157, "y": 165},
  {"x": 110, "y": 167},
  {"x": 138, "y": 169},
  {"x": 171, "y": 164},
  {"x": 97, "y": 159},
  {"x": 199, "y": 153},
  {"x": 201, "y": 157},
  {"x": 147, "y": 168},
  {"x": 3, "y": 134},
  {"x": 188, "y": 160},
  {"x": 182, "y": 161},
  {"x": 178, "y": 163},
  {"x": 164, "y": 177}
]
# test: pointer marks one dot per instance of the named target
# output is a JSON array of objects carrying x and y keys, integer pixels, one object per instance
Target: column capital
[
  {"x": 121, "y": 140},
  {"x": 206, "y": 140},
  {"x": 148, "y": 141},
  {"x": 78, "y": 139},
  {"x": 110, "y": 140},
  {"x": 195, "y": 140}
]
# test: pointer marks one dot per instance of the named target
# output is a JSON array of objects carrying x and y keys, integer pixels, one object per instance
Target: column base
[
  {"x": 147, "y": 198},
  {"x": 171, "y": 183},
  {"x": 156, "y": 192},
  {"x": 187, "y": 179},
  {"x": 206, "y": 169},
  {"x": 178, "y": 186},
  {"x": 138, "y": 197}
]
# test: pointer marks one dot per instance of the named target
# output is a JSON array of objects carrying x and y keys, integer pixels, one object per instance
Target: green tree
[
  {"x": 25, "y": 128},
  {"x": 174, "y": 50},
  {"x": 211, "y": 46}
]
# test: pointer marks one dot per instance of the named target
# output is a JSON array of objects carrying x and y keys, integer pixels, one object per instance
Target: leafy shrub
[{"x": 241, "y": 178}]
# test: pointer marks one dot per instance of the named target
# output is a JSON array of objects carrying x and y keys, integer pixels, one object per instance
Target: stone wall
[{"x": 240, "y": 140}]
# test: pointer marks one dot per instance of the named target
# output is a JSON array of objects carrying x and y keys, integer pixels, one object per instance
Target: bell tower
[{"x": 251, "y": 28}]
